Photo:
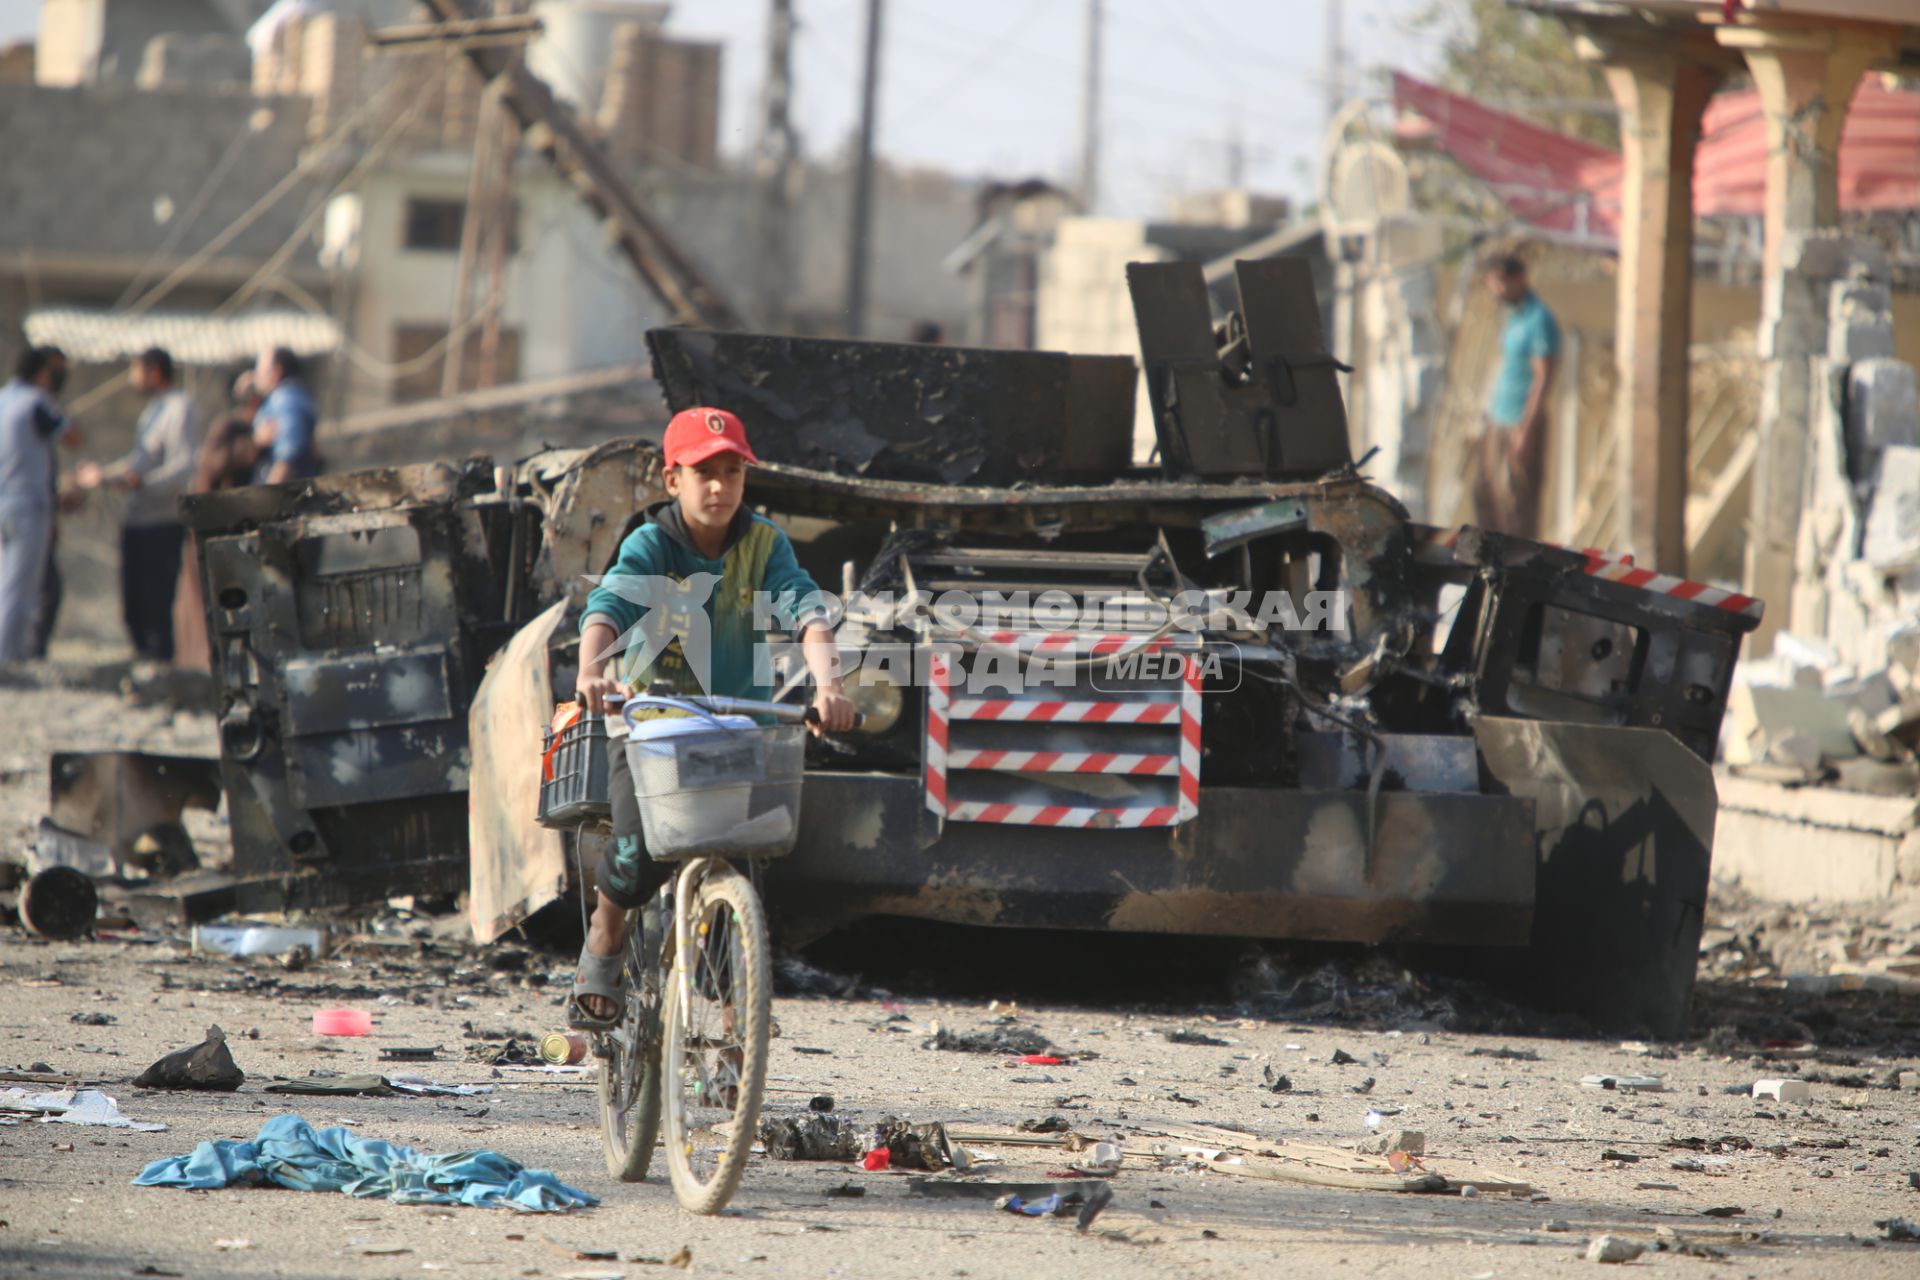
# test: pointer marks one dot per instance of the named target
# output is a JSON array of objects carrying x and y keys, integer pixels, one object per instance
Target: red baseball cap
[{"x": 694, "y": 435}]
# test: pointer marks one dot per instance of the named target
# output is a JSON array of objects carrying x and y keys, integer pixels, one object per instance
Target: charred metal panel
[
  {"x": 366, "y": 765},
  {"x": 1624, "y": 827},
  {"x": 1262, "y": 863},
  {"x": 1260, "y": 401},
  {"x": 326, "y": 695},
  {"x": 350, "y": 618},
  {"x": 906, "y": 411},
  {"x": 1553, "y": 642},
  {"x": 115, "y": 797},
  {"x": 1287, "y": 352}
]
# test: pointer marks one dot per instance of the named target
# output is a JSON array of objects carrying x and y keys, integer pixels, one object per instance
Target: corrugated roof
[
  {"x": 106, "y": 336},
  {"x": 1544, "y": 176}
]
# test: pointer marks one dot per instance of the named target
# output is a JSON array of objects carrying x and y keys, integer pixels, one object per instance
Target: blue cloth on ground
[{"x": 289, "y": 1152}]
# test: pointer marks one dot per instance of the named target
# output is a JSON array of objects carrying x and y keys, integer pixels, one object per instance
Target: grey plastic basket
[{"x": 719, "y": 792}]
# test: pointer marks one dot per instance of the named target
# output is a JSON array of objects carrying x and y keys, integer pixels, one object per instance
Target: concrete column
[
  {"x": 1661, "y": 98},
  {"x": 1806, "y": 78}
]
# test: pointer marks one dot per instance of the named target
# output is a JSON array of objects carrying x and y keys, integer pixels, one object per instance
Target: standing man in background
[
  {"x": 30, "y": 422},
  {"x": 1512, "y": 452},
  {"x": 165, "y": 443},
  {"x": 284, "y": 426}
]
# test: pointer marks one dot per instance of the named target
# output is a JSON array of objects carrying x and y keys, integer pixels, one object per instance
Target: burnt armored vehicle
[{"x": 1084, "y": 708}]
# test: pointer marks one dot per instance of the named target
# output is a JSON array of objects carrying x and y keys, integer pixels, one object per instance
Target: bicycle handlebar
[{"x": 722, "y": 705}]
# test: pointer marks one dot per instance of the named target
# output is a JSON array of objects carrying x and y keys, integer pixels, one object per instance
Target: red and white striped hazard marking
[
  {"x": 1079, "y": 642},
  {"x": 943, "y": 708},
  {"x": 1623, "y": 572},
  {"x": 1047, "y": 815},
  {"x": 1065, "y": 712},
  {"x": 1149, "y": 766},
  {"x": 939, "y": 684},
  {"x": 1618, "y": 566}
]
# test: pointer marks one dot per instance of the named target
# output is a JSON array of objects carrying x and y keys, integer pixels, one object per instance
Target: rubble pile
[{"x": 1803, "y": 715}]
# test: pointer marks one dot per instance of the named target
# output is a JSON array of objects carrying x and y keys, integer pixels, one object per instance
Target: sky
[{"x": 992, "y": 88}]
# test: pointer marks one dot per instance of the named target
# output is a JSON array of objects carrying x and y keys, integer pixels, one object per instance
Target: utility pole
[
  {"x": 486, "y": 231},
  {"x": 862, "y": 226},
  {"x": 1089, "y": 183},
  {"x": 779, "y": 155},
  {"x": 1336, "y": 62}
]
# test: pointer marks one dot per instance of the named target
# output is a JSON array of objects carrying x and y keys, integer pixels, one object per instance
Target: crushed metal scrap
[{"x": 1495, "y": 743}]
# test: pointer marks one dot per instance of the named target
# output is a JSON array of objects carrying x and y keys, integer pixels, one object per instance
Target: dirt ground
[{"x": 1808, "y": 1181}]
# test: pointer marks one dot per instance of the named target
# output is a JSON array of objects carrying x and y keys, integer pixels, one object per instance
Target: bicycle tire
[
  {"x": 741, "y": 980},
  {"x": 628, "y": 1134}
]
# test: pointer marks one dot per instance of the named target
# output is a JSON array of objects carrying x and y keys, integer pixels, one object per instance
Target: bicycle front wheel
[{"x": 714, "y": 1059}]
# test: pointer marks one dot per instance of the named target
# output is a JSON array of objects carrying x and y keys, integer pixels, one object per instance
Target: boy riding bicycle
[{"x": 701, "y": 551}]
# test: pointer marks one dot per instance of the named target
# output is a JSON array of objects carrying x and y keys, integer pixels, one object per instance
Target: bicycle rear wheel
[
  {"x": 714, "y": 1059},
  {"x": 630, "y": 1069}
]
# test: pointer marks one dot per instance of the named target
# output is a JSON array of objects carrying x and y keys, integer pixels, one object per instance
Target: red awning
[{"x": 1561, "y": 183}]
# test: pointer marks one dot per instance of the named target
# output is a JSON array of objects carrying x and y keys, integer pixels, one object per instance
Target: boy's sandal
[{"x": 596, "y": 976}]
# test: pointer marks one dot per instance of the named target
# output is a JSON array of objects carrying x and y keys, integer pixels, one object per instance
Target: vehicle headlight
[{"x": 877, "y": 696}]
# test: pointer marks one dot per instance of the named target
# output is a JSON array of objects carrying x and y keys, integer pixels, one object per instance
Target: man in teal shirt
[{"x": 1506, "y": 493}]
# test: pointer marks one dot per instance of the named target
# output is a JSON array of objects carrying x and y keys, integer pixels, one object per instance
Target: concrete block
[
  {"x": 1411, "y": 1141},
  {"x": 1859, "y": 321},
  {"x": 1804, "y": 844},
  {"x": 1893, "y": 520},
  {"x": 1906, "y": 859},
  {"x": 1882, "y": 410},
  {"x": 1783, "y": 1090}
]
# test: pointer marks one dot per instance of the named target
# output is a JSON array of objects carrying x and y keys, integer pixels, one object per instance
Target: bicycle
[{"x": 689, "y": 1052}]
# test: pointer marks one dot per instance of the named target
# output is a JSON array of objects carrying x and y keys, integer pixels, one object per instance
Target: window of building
[{"x": 434, "y": 225}]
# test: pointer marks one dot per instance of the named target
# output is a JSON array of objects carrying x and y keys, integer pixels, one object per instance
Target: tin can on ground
[{"x": 563, "y": 1048}]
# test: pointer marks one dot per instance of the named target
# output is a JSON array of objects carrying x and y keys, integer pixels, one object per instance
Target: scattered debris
[
  {"x": 395, "y": 1053},
  {"x": 1275, "y": 1081},
  {"x": 93, "y": 1019},
  {"x": 1899, "y": 1229},
  {"x": 1341, "y": 1058},
  {"x": 1610, "y": 1248},
  {"x": 369, "y": 1086},
  {"x": 1505, "y": 1054},
  {"x": 258, "y": 940},
  {"x": 1084, "y": 1205},
  {"x": 207, "y": 1065},
  {"x": 821, "y": 1102},
  {"x": 1724, "y": 1211},
  {"x": 1045, "y": 1124},
  {"x": 1101, "y": 1160},
  {"x": 59, "y": 902},
  {"x": 1633, "y": 1084},
  {"x": 580, "y": 1255},
  {"x": 73, "y": 1106},
  {"x": 342, "y": 1022},
  {"x": 1180, "y": 1035},
  {"x": 1411, "y": 1141},
  {"x": 813, "y": 1136},
  {"x": 1009, "y": 1041}
]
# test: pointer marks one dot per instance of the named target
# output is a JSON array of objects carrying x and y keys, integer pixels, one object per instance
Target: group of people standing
[{"x": 266, "y": 437}]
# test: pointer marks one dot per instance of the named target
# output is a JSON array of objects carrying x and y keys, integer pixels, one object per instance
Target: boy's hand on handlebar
[
  {"x": 833, "y": 713},
  {"x": 594, "y": 690}
]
